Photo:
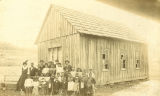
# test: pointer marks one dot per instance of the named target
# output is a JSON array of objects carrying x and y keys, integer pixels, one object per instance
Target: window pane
[
  {"x": 106, "y": 66},
  {"x": 103, "y": 56},
  {"x": 124, "y": 63}
]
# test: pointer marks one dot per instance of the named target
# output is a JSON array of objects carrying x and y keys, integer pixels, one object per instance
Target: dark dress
[
  {"x": 20, "y": 83},
  {"x": 56, "y": 87},
  {"x": 33, "y": 71}
]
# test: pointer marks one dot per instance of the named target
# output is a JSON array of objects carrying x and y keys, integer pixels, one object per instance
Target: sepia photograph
[{"x": 79, "y": 47}]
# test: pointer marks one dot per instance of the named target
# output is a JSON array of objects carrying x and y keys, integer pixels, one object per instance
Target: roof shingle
[{"x": 93, "y": 25}]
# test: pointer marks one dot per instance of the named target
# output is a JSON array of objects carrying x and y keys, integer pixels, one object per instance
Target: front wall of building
[{"x": 69, "y": 49}]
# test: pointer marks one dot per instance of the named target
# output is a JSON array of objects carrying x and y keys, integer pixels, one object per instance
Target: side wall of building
[{"x": 92, "y": 49}]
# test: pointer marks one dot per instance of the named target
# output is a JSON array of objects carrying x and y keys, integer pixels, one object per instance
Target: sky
[{"x": 21, "y": 20}]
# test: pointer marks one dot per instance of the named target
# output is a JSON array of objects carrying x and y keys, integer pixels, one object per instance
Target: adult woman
[{"x": 20, "y": 83}]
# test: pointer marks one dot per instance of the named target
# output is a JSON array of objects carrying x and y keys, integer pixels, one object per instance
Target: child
[
  {"x": 49, "y": 87},
  {"x": 52, "y": 83},
  {"x": 76, "y": 86},
  {"x": 48, "y": 84},
  {"x": 59, "y": 77},
  {"x": 28, "y": 84},
  {"x": 52, "y": 70},
  {"x": 45, "y": 70},
  {"x": 56, "y": 86},
  {"x": 91, "y": 73},
  {"x": 82, "y": 85},
  {"x": 73, "y": 72},
  {"x": 79, "y": 72},
  {"x": 90, "y": 85},
  {"x": 43, "y": 86},
  {"x": 64, "y": 86},
  {"x": 59, "y": 68},
  {"x": 70, "y": 86},
  {"x": 35, "y": 87}
]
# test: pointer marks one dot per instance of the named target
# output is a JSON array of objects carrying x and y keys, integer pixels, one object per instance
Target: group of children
[{"x": 54, "y": 79}]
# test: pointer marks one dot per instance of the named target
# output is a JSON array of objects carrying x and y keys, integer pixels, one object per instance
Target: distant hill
[
  {"x": 11, "y": 55},
  {"x": 7, "y": 46}
]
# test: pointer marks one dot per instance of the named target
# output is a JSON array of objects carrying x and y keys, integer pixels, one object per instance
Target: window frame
[
  {"x": 54, "y": 56},
  {"x": 137, "y": 57},
  {"x": 105, "y": 56},
  {"x": 125, "y": 57}
]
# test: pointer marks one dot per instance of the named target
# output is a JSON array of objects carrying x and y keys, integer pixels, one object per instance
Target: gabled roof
[{"x": 88, "y": 24}]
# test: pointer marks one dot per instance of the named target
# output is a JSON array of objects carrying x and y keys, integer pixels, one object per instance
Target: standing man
[
  {"x": 32, "y": 70},
  {"x": 40, "y": 67},
  {"x": 67, "y": 67}
]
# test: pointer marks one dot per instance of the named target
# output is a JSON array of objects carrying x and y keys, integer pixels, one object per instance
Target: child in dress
[
  {"x": 76, "y": 86},
  {"x": 28, "y": 84},
  {"x": 70, "y": 88},
  {"x": 59, "y": 68},
  {"x": 48, "y": 84},
  {"x": 91, "y": 73},
  {"x": 79, "y": 72},
  {"x": 35, "y": 91},
  {"x": 43, "y": 85},
  {"x": 59, "y": 77},
  {"x": 73, "y": 72},
  {"x": 45, "y": 70}
]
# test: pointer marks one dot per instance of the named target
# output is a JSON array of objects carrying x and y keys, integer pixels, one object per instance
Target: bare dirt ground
[{"x": 135, "y": 88}]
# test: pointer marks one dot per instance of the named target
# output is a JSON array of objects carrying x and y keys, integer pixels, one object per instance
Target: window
[
  {"x": 123, "y": 59},
  {"x": 138, "y": 59},
  {"x": 55, "y": 54},
  {"x": 103, "y": 56},
  {"x": 105, "y": 59}
]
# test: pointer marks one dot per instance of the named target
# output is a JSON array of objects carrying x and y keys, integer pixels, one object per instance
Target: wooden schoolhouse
[{"x": 111, "y": 49}]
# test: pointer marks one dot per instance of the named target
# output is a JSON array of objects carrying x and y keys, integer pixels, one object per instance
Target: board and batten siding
[
  {"x": 70, "y": 49},
  {"x": 85, "y": 51},
  {"x": 58, "y": 32},
  {"x": 92, "y": 48},
  {"x": 55, "y": 26}
]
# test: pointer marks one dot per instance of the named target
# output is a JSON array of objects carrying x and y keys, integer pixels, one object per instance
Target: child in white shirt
[
  {"x": 73, "y": 72},
  {"x": 28, "y": 84},
  {"x": 35, "y": 91},
  {"x": 70, "y": 87},
  {"x": 59, "y": 68},
  {"x": 59, "y": 77},
  {"x": 45, "y": 70},
  {"x": 76, "y": 86},
  {"x": 91, "y": 73}
]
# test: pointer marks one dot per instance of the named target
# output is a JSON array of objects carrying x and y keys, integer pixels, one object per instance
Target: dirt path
[{"x": 135, "y": 88}]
